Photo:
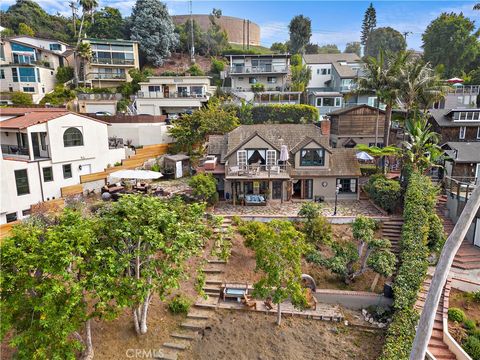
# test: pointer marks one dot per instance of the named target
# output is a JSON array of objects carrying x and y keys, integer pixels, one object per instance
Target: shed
[{"x": 176, "y": 166}]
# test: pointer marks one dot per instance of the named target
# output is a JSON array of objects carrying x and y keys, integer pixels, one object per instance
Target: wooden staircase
[
  {"x": 392, "y": 230},
  {"x": 436, "y": 345},
  {"x": 468, "y": 256}
]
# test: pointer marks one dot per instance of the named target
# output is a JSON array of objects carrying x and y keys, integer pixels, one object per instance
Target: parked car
[{"x": 103, "y": 113}]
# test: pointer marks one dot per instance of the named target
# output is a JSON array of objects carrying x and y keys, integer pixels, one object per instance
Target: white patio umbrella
[
  {"x": 283, "y": 153},
  {"x": 362, "y": 155},
  {"x": 136, "y": 174}
]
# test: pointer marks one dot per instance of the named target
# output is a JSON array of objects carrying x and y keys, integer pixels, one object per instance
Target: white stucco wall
[
  {"x": 318, "y": 80},
  {"x": 141, "y": 134}
]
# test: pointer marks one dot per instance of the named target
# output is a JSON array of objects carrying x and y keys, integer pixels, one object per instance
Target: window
[
  {"x": 312, "y": 157},
  {"x": 72, "y": 137},
  {"x": 271, "y": 157},
  {"x": 54, "y": 47},
  {"x": 252, "y": 80},
  {"x": 348, "y": 186},
  {"x": 330, "y": 101},
  {"x": 478, "y": 132},
  {"x": 11, "y": 217},
  {"x": 2, "y": 74},
  {"x": 15, "y": 74},
  {"x": 21, "y": 180},
  {"x": 67, "y": 171},
  {"x": 318, "y": 71},
  {"x": 241, "y": 158},
  {"x": 26, "y": 212},
  {"x": 47, "y": 174},
  {"x": 319, "y": 101},
  {"x": 325, "y": 71},
  {"x": 29, "y": 89},
  {"x": 154, "y": 88},
  {"x": 255, "y": 156},
  {"x": 271, "y": 79},
  {"x": 24, "y": 74},
  {"x": 308, "y": 189},
  {"x": 463, "y": 130},
  {"x": 338, "y": 102}
]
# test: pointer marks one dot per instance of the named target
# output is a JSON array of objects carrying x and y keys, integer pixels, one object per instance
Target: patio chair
[
  {"x": 268, "y": 303},
  {"x": 248, "y": 301},
  {"x": 234, "y": 169}
]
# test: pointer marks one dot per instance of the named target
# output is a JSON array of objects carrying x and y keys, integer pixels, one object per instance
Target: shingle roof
[
  {"x": 28, "y": 118},
  {"x": 343, "y": 162},
  {"x": 344, "y": 71},
  {"x": 330, "y": 58},
  {"x": 466, "y": 152},
  {"x": 277, "y": 135},
  {"x": 217, "y": 145},
  {"x": 354, "y": 107},
  {"x": 441, "y": 118}
]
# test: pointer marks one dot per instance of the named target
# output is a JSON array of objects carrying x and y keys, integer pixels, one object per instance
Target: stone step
[
  {"x": 437, "y": 343},
  {"x": 209, "y": 303},
  {"x": 216, "y": 261},
  {"x": 213, "y": 282},
  {"x": 437, "y": 334},
  {"x": 184, "y": 336},
  {"x": 468, "y": 266},
  {"x": 212, "y": 269},
  {"x": 201, "y": 314},
  {"x": 167, "y": 354},
  {"x": 193, "y": 324},
  {"x": 177, "y": 345}
]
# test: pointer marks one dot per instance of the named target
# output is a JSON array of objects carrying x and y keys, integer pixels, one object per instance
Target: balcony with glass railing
[
  {"x": 264, "y": 69},
  {"x": 107, "y": 76},
  {"x": 172, "y": 95},
  {"x": 112, "y": 61}
]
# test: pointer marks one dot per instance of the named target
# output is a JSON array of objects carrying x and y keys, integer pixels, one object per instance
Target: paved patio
[{"x": 291, "y": 209}]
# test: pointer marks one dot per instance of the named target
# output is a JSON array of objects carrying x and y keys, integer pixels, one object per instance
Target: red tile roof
[{"x": 26, "y": 117}]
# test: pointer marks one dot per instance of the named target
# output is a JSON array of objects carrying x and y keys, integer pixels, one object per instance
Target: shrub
[
  {"x": 476, "y": 296},
  {"x": 195, "y": 70},
  {"x": 436, "y": 233},
  {"x": 456, "y": 314},
  {"x": 217, "y": 66},
  {"x": 384, "y": 192},
  {"x": 179, "y": 304},
  {"x": 258, "y": 87},
  {"x": 64, "y": 74},
  {"x": 204, "y": 187},
  {"x": 472, "y": 347},
  {"x": 284, "y": 114},
  {"x": 59, "y": 96},
  {"x": 469, "y": 324},
  {"x": 317, "y": 229},
  {"x": 21, "y": 98}
]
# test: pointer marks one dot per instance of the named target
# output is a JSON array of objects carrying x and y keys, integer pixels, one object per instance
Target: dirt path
[{"x": 248, "y": 335}]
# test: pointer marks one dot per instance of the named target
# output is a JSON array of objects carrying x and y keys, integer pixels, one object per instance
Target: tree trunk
[
  {"x": 386, "y": 128},
  {"x": 425, "y": 326},
  {"x": 143, "y": 318},
  {"x": 376, "y": 123},
  {"x": 279, "y": 313},
  {"x": 75, "y": 65},
  {"x": 88, "y": 353},
  {"x": 136, "y": 318}
]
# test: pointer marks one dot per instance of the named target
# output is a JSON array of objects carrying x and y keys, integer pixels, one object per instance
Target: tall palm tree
[
  {"x": 421, "y": 150},
  {"x": 84, "y": 53},
  {"x": 477, "y": 6}
]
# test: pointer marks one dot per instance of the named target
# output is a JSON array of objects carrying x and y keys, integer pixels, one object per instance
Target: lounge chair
[{"x": 247, "y": 300}]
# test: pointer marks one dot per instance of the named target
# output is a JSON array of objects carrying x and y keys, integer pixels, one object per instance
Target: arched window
[{"x": 72, "y": 137}]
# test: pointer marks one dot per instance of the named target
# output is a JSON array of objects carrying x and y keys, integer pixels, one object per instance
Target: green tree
[
  {"x": 279, "y": 48},
  {"x": 132, "y": 87},
  {"x": 369, "y": 23},
  {"x": 279, "y": 248},
  {"x": 83, "y": 55},
  {"x": 204, "y": 188},
  {"x": 316, "y": 228},
  {"x": 151, "y": 240},
  {"x": 421, "y": 150},
  {"x": 153, "y": 28},
  {"x": 215, "y": 40},
  {"x": 59, "y": 96},
  {"x": 378, "y": 152},
  {"x": 64, "y": 74},
  {"x": 386, "y": 39},
  {"x": 195, "y": 70},
  {"x": 353, "y": 48},
  {"x": 301, "y": 73},
  {"x": 24, "y": 29},
  {"x": 107, "y": 24},
  {"x": 185, "y": 37},
  {"x": 191, "y": 131},
  {"x": 300, "y": 29},
  {"x": 451, "y": 40},
  {"x": 21, "y": 98},
  {"x": 328, "y": 49}
]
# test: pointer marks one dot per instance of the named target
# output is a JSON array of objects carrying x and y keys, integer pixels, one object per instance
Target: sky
[{"x": 333, "y": 22}]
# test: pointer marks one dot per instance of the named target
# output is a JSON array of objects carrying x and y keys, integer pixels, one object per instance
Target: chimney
[{"x": 325, "y": 126}]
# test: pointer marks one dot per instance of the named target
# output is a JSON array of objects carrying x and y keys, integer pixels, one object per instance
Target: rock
[
  {"x": 371, "y": 321},
  {"x": 364, "y": 312},
  {"x": 382, "y": 325},
  {"x": 346, "y": 323}
]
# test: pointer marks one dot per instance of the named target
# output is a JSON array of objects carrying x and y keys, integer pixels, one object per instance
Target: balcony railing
[
  {"x": 105, "y": 61},
  {"x": 466, "y": 89},
  {"x": 107, "y": 76},
  {"x": 347, "y": 88},
  {"x": 14, "y": 150},
  {"x": 25, "y": 79},
  {"x": 256, "y": 170},
  {"x": 258, "y": 69},
  {"x": 175, "y": 95}
]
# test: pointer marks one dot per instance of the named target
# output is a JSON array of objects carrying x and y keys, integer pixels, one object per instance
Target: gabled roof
[
  {"x": 29, "y": 117},
  {"x": 343, "y": 162},
  {"x": 463, "y": 152},
  {"x": 307, "y": 140},
  {"x": 36, "y": 47},
  {"x": 350, "y": 108},
  {"x": 330, "y": 58},
  {"x": 252, "y": 136}
]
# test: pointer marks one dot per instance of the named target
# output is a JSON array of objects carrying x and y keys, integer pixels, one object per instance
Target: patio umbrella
[
  {"x": 362, "y": 155},
  {"x": 455, "y": 80},
  {"x": 284, "y": 153},
  {"x": 136, "y": 174}
]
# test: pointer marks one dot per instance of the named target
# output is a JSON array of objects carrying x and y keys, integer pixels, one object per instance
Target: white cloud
[{"x": 275, "y": 31}]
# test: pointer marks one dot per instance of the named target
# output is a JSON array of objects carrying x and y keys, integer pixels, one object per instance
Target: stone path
[{"x": 291, "y": 209}]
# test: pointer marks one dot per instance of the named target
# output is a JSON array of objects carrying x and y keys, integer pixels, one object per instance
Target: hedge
[
  {"x": 419, "y": 203},
  {"x": 384, "y": 192},
  {"x": 285, "y": 114}
]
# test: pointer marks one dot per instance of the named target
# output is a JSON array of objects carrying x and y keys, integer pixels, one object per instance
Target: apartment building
[
  {"x": 29, "y": 64},
  {"x": 111, "y": 61},
  {"x": 333, "y": 78},
  {"x": 172, "y": 95},
  {"x": 44, "y": 150}
]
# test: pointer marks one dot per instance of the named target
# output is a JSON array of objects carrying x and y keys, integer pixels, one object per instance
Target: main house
[
  {"x": 172, "y": 95},
  {"x": 44, "y": 150},
  {"x": 30, "y": 64},
  {"x": 333, "y": 78},
  {"x": 111, "y": 61},
  {"x": 282, "y": 162}
]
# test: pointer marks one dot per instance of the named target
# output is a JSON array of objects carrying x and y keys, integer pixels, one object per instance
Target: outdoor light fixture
[{"x": 337, "y": 190}]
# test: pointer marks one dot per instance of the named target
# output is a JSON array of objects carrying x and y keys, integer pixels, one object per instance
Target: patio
[{"x": 291, "y": 209}]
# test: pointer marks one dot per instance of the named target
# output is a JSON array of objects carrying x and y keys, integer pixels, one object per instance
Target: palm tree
[
  {"x": 88, "y": 8},
  {"x": 84, "y": 53},
  {"x": 477, "y": 6},
  {"x": 421, "y": 150},
  {"x": 379, "y": 152}
]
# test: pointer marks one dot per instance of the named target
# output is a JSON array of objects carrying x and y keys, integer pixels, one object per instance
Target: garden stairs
[
  {"x": 468, "y": 256},
  {"x": 436, "y": 346},
  {"x": 392, "y": 230}
]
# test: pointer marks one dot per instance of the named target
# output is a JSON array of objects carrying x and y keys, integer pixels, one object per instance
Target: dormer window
[{"x": 312, "y": 157}]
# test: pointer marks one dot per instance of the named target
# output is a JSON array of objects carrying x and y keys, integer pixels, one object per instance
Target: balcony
[
  {"x": 265, "y": 69},
  {"x": 107, "y": 76},
  {"x": 108, "y": 61},
  {"x": 161, "y": 95},
  {"x": 256, "y": 171},
  {"x": 15, "y": 151},
  {"x": 347, "y": 88},
  {"x": 466, "y": 90}
]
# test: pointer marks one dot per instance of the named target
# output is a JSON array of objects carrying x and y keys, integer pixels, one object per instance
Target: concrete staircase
[
  {"x": 436, "y": 345},
  {"x": 468, "y": 256},
  {"x": 392, "y": 230}
]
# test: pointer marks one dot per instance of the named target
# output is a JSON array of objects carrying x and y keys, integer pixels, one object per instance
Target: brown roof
[
  {"x": 343, "y": 162},
  {"x": 24, "y": 119},
  {"x": 330, "y": 58},
  {"x": 350, "y": 108},
  {"x": 25, "y": 110}
]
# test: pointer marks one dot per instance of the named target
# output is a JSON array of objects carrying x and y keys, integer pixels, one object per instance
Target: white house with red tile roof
[{"x": 43, "y": 150}]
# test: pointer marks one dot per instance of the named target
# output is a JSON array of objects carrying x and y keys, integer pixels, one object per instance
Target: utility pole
[
  {"x": 406, "y": 33},
  {"x": 192, "y": 48},
  {"x": 425, "y": 326},
  {"x": 74, "y": 16}
]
